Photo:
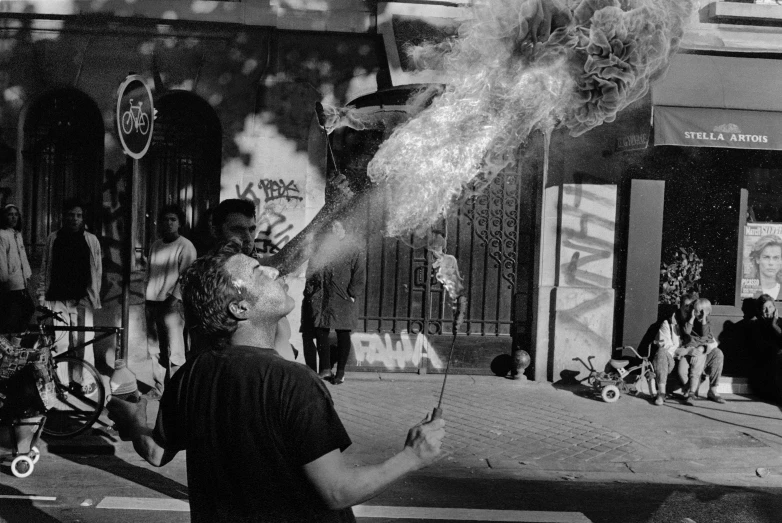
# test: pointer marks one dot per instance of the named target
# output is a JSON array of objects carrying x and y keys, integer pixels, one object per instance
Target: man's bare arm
[
  {"x": 130, "y": 420},
  {"x": 343, "y": 486}
]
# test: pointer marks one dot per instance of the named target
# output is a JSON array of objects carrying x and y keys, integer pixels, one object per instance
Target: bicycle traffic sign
[{"x": 135, "y": 114}]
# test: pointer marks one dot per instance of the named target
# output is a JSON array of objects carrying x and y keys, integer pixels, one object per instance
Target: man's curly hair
[{"x": 208, "y": 290}]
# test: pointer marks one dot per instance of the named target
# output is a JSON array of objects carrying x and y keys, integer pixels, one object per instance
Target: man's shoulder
[
  {"x": 90, "y": 237},
  {"x": 185, "y": 241}
]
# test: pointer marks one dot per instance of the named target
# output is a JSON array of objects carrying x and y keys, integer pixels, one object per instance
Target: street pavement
[
  {"x": 547, "y": 439},
  {"x": 539, "y": 429},
  {"x": 523, "y": 428}
]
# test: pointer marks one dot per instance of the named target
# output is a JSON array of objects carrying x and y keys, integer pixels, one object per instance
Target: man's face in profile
[
  {"x": 241, "y": 227},
  {"x": 265, "y": 289}
]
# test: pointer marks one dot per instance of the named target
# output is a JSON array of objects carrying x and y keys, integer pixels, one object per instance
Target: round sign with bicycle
[{"x": 135, "y": 114}]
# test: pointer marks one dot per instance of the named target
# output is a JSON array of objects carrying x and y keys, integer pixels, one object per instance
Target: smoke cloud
[{"x": 516, "y": 67}]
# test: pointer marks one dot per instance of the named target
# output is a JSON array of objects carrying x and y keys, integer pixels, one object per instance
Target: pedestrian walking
[
  {"x": 168, "y": 259},
  {"x": 70, "y": 282},
  {"x": 263, "y": 441},
  {"x": 16, "y": 303},
  {"x": 336, "y": 280}
]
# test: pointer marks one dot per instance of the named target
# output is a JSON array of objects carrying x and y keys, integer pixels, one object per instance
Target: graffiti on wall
[
  {"x": 280, "y": 189},
  {"x": 274, "y": 199},
  {"x": 394, "y": 351}
]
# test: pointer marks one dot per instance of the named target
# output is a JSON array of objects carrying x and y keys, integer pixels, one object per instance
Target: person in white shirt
[
  {"x": 169, "y": 257},
  {"x": 685, "y": 344},
  {"x": 16, "y": 304}
]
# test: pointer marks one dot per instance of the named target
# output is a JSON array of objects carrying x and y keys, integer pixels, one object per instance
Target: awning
[
  {"x": 707, "y": 127},
  {"x": 719, "y": 101}
]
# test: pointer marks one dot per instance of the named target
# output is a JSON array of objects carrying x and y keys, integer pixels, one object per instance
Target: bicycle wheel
[
  {"x": 127, "y": 122},
  {"x": 79, "y": 398}
]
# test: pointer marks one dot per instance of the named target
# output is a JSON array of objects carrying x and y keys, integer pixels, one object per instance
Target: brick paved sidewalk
[{"x": 498, "y": 423}]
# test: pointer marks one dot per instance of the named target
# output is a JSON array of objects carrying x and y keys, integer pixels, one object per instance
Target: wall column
[{"x": 575, "y": 295}]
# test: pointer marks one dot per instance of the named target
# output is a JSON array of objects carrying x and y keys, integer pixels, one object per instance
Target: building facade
[{"x": 560, "y": 255}]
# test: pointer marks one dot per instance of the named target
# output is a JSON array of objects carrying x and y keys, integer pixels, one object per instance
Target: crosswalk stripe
[
  {"x": 468, "y": 514},
  {"x": 375, "y": 511},
  {"x": 30, "y": 498},
  {"x": 122, "y": 503}
]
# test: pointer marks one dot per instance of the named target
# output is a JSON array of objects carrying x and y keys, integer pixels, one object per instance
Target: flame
[{"x": 519, "y": 66}]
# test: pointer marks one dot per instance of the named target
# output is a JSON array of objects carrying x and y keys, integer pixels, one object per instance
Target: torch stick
[{"x": 458, "y": 319}]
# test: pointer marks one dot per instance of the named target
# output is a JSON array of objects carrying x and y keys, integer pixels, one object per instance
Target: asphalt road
[{"x": 73, "y": 488}]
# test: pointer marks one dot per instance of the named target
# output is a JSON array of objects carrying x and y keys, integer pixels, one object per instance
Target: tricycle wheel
[
  {"x": 35, "y": 454},
  {"x": 610, "y": 393},
  {"x": 22, "y": 466}
]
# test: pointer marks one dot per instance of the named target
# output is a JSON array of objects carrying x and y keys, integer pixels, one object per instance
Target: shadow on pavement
[
  {"x": 694, "y": 411},
  {"x": 615, "y": 502},
  {"x": 102, "y": 457},
  {"x": 20, "y": 509}
]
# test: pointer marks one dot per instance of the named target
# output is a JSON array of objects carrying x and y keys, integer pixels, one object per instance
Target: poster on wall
[{"x": 761, "y": 271}]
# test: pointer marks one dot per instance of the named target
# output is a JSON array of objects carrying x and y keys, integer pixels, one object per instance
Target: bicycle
[
  {"x": 135, "y": 118},
  {"x": 79, "y": 392}
]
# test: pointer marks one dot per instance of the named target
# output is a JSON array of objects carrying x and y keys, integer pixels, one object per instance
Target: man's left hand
[{"x": 128, "y": 417}]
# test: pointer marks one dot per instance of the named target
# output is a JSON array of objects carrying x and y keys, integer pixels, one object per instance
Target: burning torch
[{"x": 448, "y": 275}]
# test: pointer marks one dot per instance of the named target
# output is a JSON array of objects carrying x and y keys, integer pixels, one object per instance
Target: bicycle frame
[{"x": 103, "y": 333}]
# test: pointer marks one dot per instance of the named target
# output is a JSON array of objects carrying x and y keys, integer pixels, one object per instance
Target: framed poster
[{"x": 761, "y": 261}]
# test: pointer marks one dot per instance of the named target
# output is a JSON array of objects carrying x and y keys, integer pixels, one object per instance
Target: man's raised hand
[{"x": 425, "y": 439}]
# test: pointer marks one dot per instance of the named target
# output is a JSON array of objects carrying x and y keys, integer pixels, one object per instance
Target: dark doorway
[
  {"x": 183, "y": 163},
  {"x": 63, "y": 158}
]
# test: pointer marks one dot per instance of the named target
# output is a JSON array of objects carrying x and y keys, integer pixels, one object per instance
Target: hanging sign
[{"x": 135, "y": 114}]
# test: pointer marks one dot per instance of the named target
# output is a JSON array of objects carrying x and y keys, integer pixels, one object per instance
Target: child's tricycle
[
  {"x": 24, "y": 379},
  {"x": 613, "y": 383}
]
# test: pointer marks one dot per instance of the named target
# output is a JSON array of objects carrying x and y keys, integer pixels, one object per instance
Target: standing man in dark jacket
[
  {"x": 336, "y": 279},
  {"x": 70, "y": 281}
]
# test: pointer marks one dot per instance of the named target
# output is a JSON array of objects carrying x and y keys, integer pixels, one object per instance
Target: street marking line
[
  {"x": 375, "y": 511},
  {"x": 121, "y": 503},
  {"x": 30, "y": 498},
  {"x": 468, "y": 514}
]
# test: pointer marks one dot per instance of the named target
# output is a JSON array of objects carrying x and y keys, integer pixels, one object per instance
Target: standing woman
[
  {"x": 16, "y": 304},
  {"x": 342, "y": 277}
]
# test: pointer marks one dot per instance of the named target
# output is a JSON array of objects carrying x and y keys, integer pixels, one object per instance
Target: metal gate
[
  {"x": 63, "y": 158},
  {"x": 183, "y": 165},
  {"x": 407, "y": 316}
]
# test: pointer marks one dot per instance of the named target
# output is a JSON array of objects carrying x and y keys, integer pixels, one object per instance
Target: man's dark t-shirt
[{"x": 249, "y": 420}]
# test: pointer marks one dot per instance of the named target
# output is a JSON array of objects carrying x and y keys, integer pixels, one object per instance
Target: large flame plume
[{"x": 518, "y": 66}]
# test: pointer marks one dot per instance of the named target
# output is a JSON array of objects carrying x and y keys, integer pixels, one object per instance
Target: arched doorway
[
  {"x": 183, "y": 163},
  {"x": 63, "y": 158}
]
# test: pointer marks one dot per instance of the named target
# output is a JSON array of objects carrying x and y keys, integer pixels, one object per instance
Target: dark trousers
[{"x": 324, "y": 351}]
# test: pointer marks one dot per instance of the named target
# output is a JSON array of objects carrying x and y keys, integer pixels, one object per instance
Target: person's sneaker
[
  {"x": 660, "y": 399},
  {"x": 339, "y": 379},
  {"x": 89, "y": 388},
  {"x": 688, "y": 400},
  {"x": 713, "y": 396},
  {"x": 327, "y": 376}
]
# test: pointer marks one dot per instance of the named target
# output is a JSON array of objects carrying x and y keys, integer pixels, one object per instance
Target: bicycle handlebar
[{"x": 47, "y": 313}]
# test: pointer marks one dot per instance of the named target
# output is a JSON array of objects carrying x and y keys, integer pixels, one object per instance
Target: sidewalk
[
  {"x": 527, "y": 428},
  {"x": 500, "y": 427}
]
